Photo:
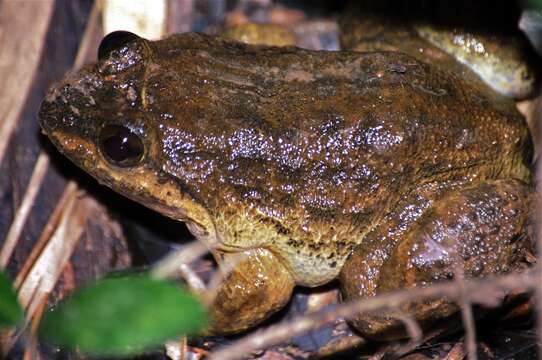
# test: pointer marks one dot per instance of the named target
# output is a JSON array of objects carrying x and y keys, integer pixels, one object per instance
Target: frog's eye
[
  {"x": 120, "y": 146},
  {"x": 114, "y": 41}
]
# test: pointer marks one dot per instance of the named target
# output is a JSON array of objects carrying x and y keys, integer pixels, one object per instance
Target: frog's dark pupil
[
  {"x": 114, "y": 41},
  {"x": 120, "y": 145}
]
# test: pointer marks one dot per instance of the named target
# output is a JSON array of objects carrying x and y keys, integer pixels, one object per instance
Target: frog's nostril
[
  {"x": 120, "y": 146},
  {"x": 47, "y": 116}
]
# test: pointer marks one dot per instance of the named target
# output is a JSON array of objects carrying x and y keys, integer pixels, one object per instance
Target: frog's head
[{"x": 102, "y": 118}]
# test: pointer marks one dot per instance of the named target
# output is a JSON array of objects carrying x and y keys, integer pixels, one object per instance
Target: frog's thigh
[
  {"x": 258, "y": 286},
  {"x": 482, "y": 230}
]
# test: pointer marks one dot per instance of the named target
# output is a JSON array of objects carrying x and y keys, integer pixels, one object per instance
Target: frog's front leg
[
  {"x": 481, "y": 230},
  {"x": 258, "y": 286}
]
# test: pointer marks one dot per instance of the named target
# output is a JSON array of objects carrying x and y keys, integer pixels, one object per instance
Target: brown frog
[{"x": 376, "y": 168}]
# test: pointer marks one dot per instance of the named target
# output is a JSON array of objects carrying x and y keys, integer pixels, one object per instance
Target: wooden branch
[{"x": 478, "y": 289}]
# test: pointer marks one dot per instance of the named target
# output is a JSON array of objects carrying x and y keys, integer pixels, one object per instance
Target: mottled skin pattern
[
  {"x": 483, "y": 35},
  {"x": 295, "y": 158},
  {"x": 501, "y": 59}
]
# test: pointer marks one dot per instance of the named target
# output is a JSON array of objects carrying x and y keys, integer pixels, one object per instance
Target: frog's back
[{"x": 304, "y": 151}]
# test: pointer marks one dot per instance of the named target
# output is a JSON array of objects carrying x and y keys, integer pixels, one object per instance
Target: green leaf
[
  {"x": 533, "y": 4},
  {"x": 123, "y": 316},
  {"x": 11, "y": 313}
]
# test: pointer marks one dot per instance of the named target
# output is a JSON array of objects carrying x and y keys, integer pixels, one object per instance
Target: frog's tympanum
[{"x": 375, "y": 168}]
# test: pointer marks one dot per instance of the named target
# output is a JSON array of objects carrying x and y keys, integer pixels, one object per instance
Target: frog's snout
[
  {"x": 69, "y": 105},
  {"x": 50, "y": 112}
]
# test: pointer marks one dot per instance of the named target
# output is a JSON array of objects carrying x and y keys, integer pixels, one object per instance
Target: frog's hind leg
[
  {"x": 482, "y": 230},
  {"x": 258, "y": 286}
]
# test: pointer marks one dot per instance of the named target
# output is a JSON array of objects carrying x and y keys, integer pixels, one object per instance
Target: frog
[{"x": 301, "y": 167}]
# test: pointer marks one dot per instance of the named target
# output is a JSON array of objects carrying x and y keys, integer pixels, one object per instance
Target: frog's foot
[
  {"x": 481, "y": 230},
  {"x": 258, "y": 286}
]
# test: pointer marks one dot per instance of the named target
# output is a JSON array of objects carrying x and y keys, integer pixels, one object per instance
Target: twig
[
  {"x": 281, "y": 332},
  {"x": 169, "y": 267},
  {"x": 414, "y": 332},
  {"x": 470, "y": 331},
  {"x": 466, "y": 313},
  {"x": 192, "y": 279},
  {"x": 17, "y": 225},
  {"x": 31, "y": 348},
  {"x": 48, "y": 267},
  {"x": 46, "y": 233},
  {"x": 177, "y": 264},
  {"x": 398, "y": 349}
]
